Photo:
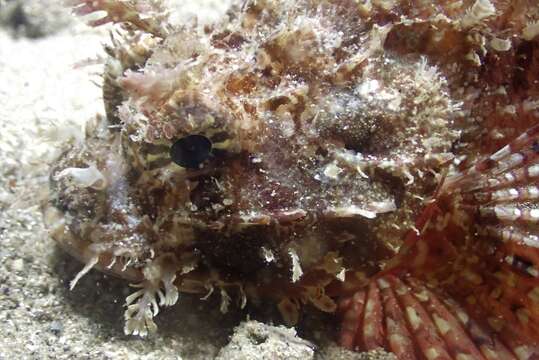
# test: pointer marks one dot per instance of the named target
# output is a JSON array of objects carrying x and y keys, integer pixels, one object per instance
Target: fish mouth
[{"x": 80, "y": 249}]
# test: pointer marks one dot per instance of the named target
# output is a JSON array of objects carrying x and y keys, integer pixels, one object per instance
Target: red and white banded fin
[
  {"x": 515, "y": 163},
  {"x": 492, "y": 291},
  {"x": 491, "y": 347},
  {"x": 427, "y": 245},
  {"x": 501, "y": 195},
  {"x": 429, "y": 341},
  {"x": 488, "y": 215},
  {"x": 416, "y": 322},
  {"x": 502, "y": 192},
  {"x": 372, "y": 325},
  {"x": 399, "y": 339},
  {"x": 352, "y": 309},
  {"x": 447, "y": 324}
]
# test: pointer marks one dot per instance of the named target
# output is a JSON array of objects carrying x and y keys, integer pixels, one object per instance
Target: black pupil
[
  {"x": 535, "y": 147},
  {"x": 190, "y": 151}
]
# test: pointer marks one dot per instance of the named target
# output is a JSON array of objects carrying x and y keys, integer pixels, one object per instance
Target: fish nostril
[{"x": 190, "y": 151}]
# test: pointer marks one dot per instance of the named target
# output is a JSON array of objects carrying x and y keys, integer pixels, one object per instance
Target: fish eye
[{"x": 190, "y": 151}]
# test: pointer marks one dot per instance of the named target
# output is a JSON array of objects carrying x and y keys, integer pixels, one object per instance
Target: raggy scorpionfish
[{"x": 324, "y": 153}]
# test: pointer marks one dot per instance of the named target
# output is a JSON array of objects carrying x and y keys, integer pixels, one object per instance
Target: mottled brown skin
[{"x": 331, "y": 122}]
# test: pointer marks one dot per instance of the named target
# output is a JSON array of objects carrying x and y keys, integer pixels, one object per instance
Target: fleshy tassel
[
  {"x": 89, "y": 265},
  {"x": 142, "y": 306},
  {"x": 118, "y": 11}
]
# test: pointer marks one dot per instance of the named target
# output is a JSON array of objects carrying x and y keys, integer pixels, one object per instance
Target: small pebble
[
  {"x": 17, "y": 265},
  {"x": 56, "y": 327}
]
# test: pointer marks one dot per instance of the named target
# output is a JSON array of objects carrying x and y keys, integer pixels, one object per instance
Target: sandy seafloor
[{"x": 43, "y": 99}]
